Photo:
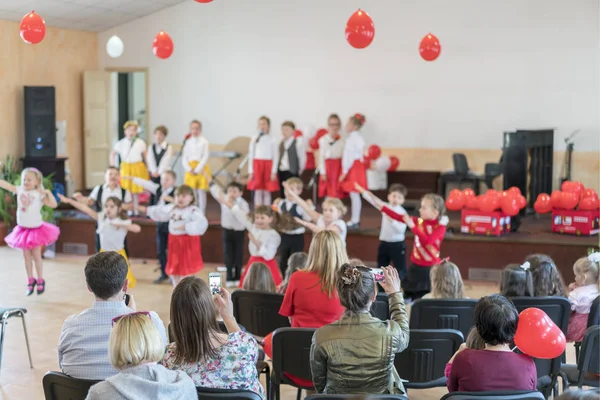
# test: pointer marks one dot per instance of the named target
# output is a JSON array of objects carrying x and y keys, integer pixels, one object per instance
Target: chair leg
[
  {"x": 267, "y": 371},
  {"x": 3, "y": 322},
  {"x": 26, "y": 339},
  {"x": 299, "y": 394}
]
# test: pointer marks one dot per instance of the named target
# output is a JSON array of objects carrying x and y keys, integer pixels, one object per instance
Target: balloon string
[{"x": 514, "y": 348}]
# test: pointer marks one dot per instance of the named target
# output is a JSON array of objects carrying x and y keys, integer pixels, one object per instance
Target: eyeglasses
[
  {"x": 335, "y": 124},
  {"x": 116, "y": 319}
]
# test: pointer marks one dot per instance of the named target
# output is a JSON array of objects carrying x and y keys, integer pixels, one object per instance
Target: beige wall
[{"x": 59, "y": 60}]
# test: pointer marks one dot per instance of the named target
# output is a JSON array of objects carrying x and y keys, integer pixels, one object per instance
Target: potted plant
[{"x": 8, "y": 172}]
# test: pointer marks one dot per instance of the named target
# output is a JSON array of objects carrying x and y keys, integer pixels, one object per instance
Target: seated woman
[
  {"x": 355, "y": 355},
  {"x": 495, "y": 367},
  {"x": 134, "y": 348},
  {"x": 211, "y": 358}
]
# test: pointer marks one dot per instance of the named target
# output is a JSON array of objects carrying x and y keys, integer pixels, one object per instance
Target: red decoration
[
  {"x": 394, "y": 163},
  {"x": 569, "y": 200},
  {"x": 542, "y": 204},
  {"x": 471, "y": 202},
  {"x": 515, "y": 190},
  {"x": 455, "y": 200},
  {"x": 589, "y": 193},
  {"x": 538, "y": 336},
  {"x": 310, "y": 160},
  {"x": 521, "y": 201},
  {"x": 162, "y": 47},
  {"x": 204, "y": 1},
  {"x": 572, "y": 187},
  {"x": 588, "y": 203},
  {"x": 488, "y": 203},
  {"x": 374, "y": 152},
  {"x": 360, "y": 30},
  {"x": 314, "y": 142},
  {"x": 555, "y": 199},
  {"x": 509, "y": 205},
  {"x": 320, "y": 133},
  {"x": 33, "y": 28},
  {"x": 297, "y": 133},
  {"x": 468, "y": 192},
  {"x": 430, "y": 47}
]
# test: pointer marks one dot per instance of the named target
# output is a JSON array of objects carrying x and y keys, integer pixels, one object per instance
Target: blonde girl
[
  {"x": 583, "y": 292},
  {"x": 446, "y": 282},
  {"x": 194, "y": 159},
  {"x": 259, "y": 279}
]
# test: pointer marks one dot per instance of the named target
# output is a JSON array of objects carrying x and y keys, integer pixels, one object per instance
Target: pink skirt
[
  {"x": 30, "y": 238},
  {"x": 577, "y": 327}
]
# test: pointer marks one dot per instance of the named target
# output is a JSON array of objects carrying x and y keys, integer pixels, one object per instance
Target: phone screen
[
  {"x": 214, "y": 281},
  {"x": 378, "y": 274}
]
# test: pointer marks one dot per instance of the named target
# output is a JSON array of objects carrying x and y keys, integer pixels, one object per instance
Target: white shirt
[
  {"x": 108, "y": 192},
  {"x": 191, "y": 218},
  {"x": 339, "y": 223},
  {"x": 354, "y": 148},
  {"x": 288, "y": 206},
  {"x": 328, "y": 150},
  {"x": 153, "y": 188},
  {"x": 112, "y": 238},
  {"x": 228, "y": 220},
  {"x": 581, "y": 298},
  {"x": 30, "y": 203},
  {"x": 265, "y": 149},
  {"x": 269, "y": 238},
  {"x": 129, "y": 153},
  {"x": 284, "y": 165},
  {"x": 391, "y": 230},
  {"x": 195, "y": 149},
  {"x": 165, "y": 162}
]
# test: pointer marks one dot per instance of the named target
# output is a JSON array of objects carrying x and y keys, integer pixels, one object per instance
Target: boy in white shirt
[
  {"x": 292, "y": 155},
  {"x": 159, "y": 156}
]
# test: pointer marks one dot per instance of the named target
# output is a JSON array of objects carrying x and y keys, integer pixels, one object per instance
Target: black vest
[
  {"x": 158, "y": 156},
  {"x": 98, "y": 203},
  {"x": 292, "y": 157},
  {"x": 159, "y": 194},
  {"x": 293, "y": 211}
]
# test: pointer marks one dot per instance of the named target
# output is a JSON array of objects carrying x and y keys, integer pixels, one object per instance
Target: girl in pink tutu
[
  {"x": 31, "y": 232},
  {"x": 583, "y": 292}
]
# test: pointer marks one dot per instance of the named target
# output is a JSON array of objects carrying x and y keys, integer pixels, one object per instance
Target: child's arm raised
[
  {"x": 48, "y": 199},
  {"x": 369, "y": 197},
  {"x": 148, "y": 185},
  {"x": 436, "y": 236},
  {"x": 79, "y": 206},
  {"x": 7, "y": 186},
  {"x": 157, "y": 213},
  {"x": 216, "y": 191},
  {"x": 305, "y": 206}
]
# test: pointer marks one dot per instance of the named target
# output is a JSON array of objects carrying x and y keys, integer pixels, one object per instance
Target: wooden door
[{"x": 96, "y": 125}]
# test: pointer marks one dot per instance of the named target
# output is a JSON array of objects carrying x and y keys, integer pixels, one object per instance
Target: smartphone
[
  {"x": 378, "y": 274},
  {"x": 214, "y": 282},
  {"x": 127, "y": 297}
]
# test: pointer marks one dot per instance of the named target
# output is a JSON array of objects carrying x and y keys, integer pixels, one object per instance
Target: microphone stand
[{"x": 568, "y": 157}]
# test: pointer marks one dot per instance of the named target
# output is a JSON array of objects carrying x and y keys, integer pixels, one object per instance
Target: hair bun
[
  {"x": 350, "y": 275},
  {"x": 360, "y": 117}
]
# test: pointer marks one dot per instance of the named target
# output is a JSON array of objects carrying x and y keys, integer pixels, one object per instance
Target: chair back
[
  {"x": 291, "y": 354},
  {"x": 381, "y": 307},
  {"x": 557, "y": 308},
  {"x": 594, "y": 317},
  {"x": 589, "y": 358},
  {"x": 357, "y": 397},
  {"x": 258, "y": 312},
  {"x": 443, "y": 314},
  {"x": 461, "y": 166},
  {"x": 495, "y": 395},
  {"x": 59, "y": 386},
  {"x": 220, "y": 394},
  {"x": 425, "y": 358}
]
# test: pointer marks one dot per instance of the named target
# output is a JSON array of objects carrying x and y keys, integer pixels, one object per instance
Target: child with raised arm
[
  {"x": 113, "y": 226},
  {"x": 31, "y": 232}
]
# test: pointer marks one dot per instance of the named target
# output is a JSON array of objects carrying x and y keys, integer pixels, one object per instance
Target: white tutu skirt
[{"x": 30, "y": 238}]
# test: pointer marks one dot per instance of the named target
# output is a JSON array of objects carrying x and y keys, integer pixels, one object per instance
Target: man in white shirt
[{"x": 292, "y": 155}]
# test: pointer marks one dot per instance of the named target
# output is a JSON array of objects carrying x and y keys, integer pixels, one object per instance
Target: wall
[
  {"x": 504, "y": 65},
  {"x": 59, "y": 60}
]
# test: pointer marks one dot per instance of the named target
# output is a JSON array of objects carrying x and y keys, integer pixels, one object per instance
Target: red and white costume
[
  {"x": 263, "y": 157},
  {"x": 352, "y": 162},
  {"x": 330, "y": 165}
]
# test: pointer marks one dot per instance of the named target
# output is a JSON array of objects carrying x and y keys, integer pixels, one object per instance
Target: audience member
[
  {"x": 135, "y": 347},
  {"x": 295, "y": 262},
  {"x": 496, "y": 367},
  {"x": 583, "y": 293},
  {"x": 259, "y": 279},
  {"x": 83, "y": 343},
  {"x": 547, "y": 280},
  {"x": 474, "y": 342},
  {"x": 446, "y": 282},
  {"x": 211, "y": 358},
  {"x": 356, "y": 353},
  {"x": 517, "y": 281},
  {"x": 579, "y": 395}
]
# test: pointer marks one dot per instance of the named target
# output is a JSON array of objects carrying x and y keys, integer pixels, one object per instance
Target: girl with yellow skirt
[
  {"x": 132, "y": 152},
  {"x": 194, "y": 158},
  {"x": 113, "y": 226}
]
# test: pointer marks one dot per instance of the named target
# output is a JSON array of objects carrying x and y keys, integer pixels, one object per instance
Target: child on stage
[
  {"x": 186, "y": 224},
  {"x": 132, "y": 152},
  {"x": 159, "y": 156},
  {"x": 292, "y": 154},
  {"x": 262, "y": 164},
  {"x": 113, "y": 226},
  {"x": 31, "y": 232},
  {"x": 331, "y": 148},
  {"x": 194, "y": 159},
  {"x": 391, "y": 237},
  {"x": 353, "y": 169}
]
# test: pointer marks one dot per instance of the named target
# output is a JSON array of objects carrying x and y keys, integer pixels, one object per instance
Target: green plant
[{"x": 9, "y": 172}]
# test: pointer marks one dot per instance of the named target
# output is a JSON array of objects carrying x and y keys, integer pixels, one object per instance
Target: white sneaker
[{"x": 222, "y": 269}]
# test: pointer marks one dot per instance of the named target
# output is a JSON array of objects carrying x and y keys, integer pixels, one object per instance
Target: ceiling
[{"x": 87, "y": 15}]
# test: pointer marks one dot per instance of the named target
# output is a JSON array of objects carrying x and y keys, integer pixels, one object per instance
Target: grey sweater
[{"x": 148, "y": 381}]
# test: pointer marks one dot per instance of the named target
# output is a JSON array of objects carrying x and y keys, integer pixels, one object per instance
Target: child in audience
[
  {"x": 517, "y": 281},
  {"x": 547, "y": 280},
  {"x": 186, "y": 224},
  {"x": 194, "y": 159},
  {"x": 31, "y": 232},
  {"x": 330, "y": 220},
  {"x": 473, "y": 342},
  {"x": 355, "y": 354},
  {"x": 159, "y": 157},
  {"x": 113, "y": 226},
  {"x": 496, "y": 367},
  {"x": 331, "y": 148},
  {"x": 262, "y": 164},
  {"x": 391, "y": 237},
  {"x": 162, "y": 194},
  {"x": 259, "y": 279},
  {"x": 583, "y": 293},
  {"x": 292, "y": 154},
  {"x": 264, "y": 240},
  {"x": 132, "y": 152},
  {"x": 233, "y": 230},
  {"x": 295, "y": 262},
  {"x": 429, "y": 230},
  {"x": 353, "y": 169},
  {"x": 446, "y": 282}
]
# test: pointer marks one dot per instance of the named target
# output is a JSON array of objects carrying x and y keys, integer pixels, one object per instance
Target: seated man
[{"x": 83, "y": 343}]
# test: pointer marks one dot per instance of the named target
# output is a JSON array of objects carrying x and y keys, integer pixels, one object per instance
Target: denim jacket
[{"x": 355, "y": 355}]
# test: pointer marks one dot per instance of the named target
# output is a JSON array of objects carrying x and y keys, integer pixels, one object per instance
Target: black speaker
[{"x": 40, "y": 121}]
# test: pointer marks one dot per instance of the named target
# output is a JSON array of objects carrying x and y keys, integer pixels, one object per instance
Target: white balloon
[
  {"x": 383, "y": 163},
  {"x": 115, "y": 46},
  {"x": 309, "y": 131}
]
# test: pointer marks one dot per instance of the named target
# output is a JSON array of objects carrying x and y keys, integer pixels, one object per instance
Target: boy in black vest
[
  {"x": 292, "y": 155},
  {"x": 159, "y": 157}
]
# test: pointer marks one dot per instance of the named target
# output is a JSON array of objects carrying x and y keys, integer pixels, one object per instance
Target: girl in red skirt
[
  {"x": 353, "y": 169},
  {"x": 263, "y": 155},
  {"x": 331, "y": 148},
  {"x": 186, "y": 224},
  {"x": 583, "y": 292}
]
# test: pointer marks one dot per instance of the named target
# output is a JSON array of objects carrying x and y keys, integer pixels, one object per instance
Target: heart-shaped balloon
[
  {"x": 509, "y": 205},
  {"x": 488, "y": 203},
  {"x": 555, "y": 199},
  {"x": 542, "y": 204},
  {"x": 514, "y": 189},
  {"x": 538, "y": 336},
  {"x": 468, "y": 192},
  {"x": 569, "y": 200},
  {"x": 456, "y": 202},
  {"x": 472, "y": 203},
  {"x": 521, "y": 201},
  {"x": 589, "y": 193},
  {"x": 394, "y": 163},
  {"x": 588, "y": 203}
]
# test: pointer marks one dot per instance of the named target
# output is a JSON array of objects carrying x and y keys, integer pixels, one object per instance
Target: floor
[{"x": 67, "y": 294}]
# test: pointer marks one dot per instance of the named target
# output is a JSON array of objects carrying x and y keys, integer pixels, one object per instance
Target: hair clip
[
  {"x": 443, "y": 260},
  {"x": 526, "y": 265},
  {"x": 594, "y": 257}
]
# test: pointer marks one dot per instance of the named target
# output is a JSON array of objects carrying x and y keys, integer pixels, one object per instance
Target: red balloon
[
  {"x": 320, "y": 133},
  {"x": 162, "y": 47},
  {"x": 514, "y": 189},
  {"x": 541, "y": 207},
  {"x": 374, "y": 152},
  {"x": 314, "y": 143},
  {"x": 589, "y": 193},
  {"x": 488, "y": 203},
  {"x": 297, "y": 133},
  {"x": 204, "y": 1},
  {"x": 472, "y": 202},
  {"x": 521, "y": 201},
  {"x": 468, "y": 192},
  {"x": 33, "y": 28},
  {"x": 360, "y": 30},
  {"x": 555, "y": 199},
  {"x": 569, "y": 200},
  {"x": 455, "y": 203},
  {"x": 572, "y": 187},
  {"x": 588, "y": 203},
  {"x": 367, "y": 162},
  {"x": 538, "y": 336},
  {"x": 430, "y": 47},
  {"x": 509, "y": 205},
  {"x": 394, "y": 163}
]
